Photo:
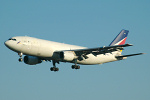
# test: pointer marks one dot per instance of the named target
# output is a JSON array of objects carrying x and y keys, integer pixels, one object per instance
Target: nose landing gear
[{"x": 20, "y": 59}]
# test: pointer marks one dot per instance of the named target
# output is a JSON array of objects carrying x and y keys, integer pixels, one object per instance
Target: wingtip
[
  {"x": 130, "y": 44},
  {"x": 143, "y": 53}
]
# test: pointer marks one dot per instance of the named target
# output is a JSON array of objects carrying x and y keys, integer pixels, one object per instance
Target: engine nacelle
[{"x": 31, "y": 60}]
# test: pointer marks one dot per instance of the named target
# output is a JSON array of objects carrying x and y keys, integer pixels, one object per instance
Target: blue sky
[{"x": 89, "y": 23}]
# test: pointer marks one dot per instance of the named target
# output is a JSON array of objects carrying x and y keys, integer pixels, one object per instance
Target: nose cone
[
  {"x": 12, "y": 45},
  {"x": 9, "y": 44},
  {"x": 6, "y": 43}
]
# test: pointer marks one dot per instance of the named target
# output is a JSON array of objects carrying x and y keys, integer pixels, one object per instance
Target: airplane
[{"x": 38, "y": 50}]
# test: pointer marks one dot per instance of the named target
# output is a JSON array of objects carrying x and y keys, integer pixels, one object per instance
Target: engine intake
[{"x": 31, "y": 60}]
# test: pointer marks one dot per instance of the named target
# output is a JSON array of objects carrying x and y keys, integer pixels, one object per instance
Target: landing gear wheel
[
  {"x": 54, "y": 69},
  {"x": 78, "y": 67},
  {"x": 20, "y": 59},
  {"x": 75, "y": 67}
]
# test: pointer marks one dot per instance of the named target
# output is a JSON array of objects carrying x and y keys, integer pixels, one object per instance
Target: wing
[
  {"x": 96, "y": 51},
  {"x": 100, "y": 50}
]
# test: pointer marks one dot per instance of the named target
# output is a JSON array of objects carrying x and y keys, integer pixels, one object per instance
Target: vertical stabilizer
[{"x": 120, "y": 38}]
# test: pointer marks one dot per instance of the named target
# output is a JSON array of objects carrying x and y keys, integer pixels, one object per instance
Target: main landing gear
[
  {"x": 20, "y": 59},
  {"x": 75, "y": 66},
  {"x": 54, "y": 68}
]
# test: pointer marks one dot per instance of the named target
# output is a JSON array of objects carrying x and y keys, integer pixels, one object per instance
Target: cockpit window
[{"x": 12, "y": 39}]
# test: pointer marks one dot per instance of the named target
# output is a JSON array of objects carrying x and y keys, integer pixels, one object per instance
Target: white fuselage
[{"x": 45, "y": 49}]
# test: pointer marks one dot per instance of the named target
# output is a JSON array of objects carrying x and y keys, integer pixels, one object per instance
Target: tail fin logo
[{"x": 120, "y": 38}]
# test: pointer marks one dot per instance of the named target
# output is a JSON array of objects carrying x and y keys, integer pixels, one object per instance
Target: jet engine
[{"x": 31, "y": 60}]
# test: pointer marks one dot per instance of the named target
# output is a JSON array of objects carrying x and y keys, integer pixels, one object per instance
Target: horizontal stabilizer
[{"x": 129, "y": 55}]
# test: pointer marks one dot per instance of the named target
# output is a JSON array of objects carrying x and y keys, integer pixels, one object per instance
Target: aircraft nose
[
  {"x": 6, "y": 43},
  {"x": 11, "y": 45}
]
